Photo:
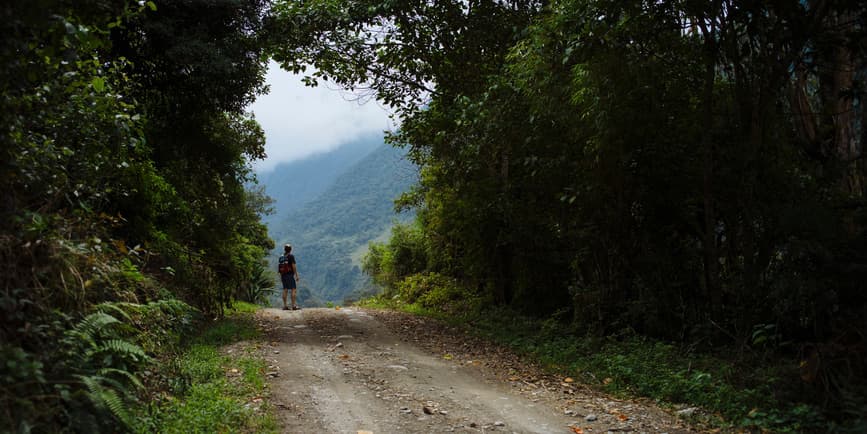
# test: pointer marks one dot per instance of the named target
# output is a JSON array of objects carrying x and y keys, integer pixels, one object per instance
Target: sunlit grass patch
[
  {"x": 228, "y": 330},
  {"x": 211, "y": 390},
  {"x": 242, "y": 307}
]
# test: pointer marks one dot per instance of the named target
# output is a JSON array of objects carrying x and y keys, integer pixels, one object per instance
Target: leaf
[
  {"x": 152, "y": 6},
  {"x": 98, "y": 84},
  {"x": 568, "y": 380},
  {"x": 448, "y": 356},
  {"x": 577, "y": 430}
]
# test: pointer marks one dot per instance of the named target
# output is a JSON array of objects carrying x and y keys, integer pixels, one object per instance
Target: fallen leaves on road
[
  {"x": 568, "y": 380},
  {"x": 619, "y": 415},
  {"x": 577, "y": 430}
]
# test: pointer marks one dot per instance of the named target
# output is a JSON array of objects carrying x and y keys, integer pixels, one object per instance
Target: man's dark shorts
[{"x": 288, "y": 281}]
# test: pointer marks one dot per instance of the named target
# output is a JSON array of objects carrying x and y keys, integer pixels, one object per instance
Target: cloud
[{"x": 300, "y": 120}]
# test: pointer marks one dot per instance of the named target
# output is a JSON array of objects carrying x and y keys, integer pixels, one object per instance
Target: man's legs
[
  {"x": 293, "y": 298},
  {"x": 286, "y": 290}
]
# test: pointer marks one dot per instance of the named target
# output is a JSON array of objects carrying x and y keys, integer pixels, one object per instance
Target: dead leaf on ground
[
  {"x": 568, "y": 380},
  {"x": 344, "y": 356},
  {"x": 607, "y": 381},
  {"x": 513, "y": 378},
  {"x": 577, "y": 430},
  {"x": 448, "y": 356}
]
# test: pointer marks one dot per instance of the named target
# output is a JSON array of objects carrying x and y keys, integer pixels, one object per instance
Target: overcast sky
[{"x": 299, "y": 120}]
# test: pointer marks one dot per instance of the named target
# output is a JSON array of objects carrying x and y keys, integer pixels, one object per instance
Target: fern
[
  {"x": 89, "y": 327},
  {"x": 105, "y": 397},
  {"x": 126, "y": 349},
  {"x": 106, "y": 372},
  {"x": 116, "y": 308}
]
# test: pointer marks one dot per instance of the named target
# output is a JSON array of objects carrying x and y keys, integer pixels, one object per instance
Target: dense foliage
[
  {"x": 692, "y": 171},
  {"x": 125, "y": 152}
]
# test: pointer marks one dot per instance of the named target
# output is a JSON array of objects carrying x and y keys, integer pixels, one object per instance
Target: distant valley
[{"x": 329, "y": 207}]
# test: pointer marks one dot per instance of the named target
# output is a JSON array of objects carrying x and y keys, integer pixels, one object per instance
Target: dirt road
[{"x": 347, "y": 371}]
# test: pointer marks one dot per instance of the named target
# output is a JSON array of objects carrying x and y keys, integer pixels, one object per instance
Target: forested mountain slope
[
  {"x": 293, "y": 184},
  {"x": 355, "y": 209}
]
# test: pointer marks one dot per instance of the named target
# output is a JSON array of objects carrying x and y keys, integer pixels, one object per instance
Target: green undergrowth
[
  {"x": 743, "y": 392},
  {"x": 209, "y": 389}
]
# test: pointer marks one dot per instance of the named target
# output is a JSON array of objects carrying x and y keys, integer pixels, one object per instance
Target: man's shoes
[
  {"x": 296, "y": 307},
  {"x": 285, "y": 307}
]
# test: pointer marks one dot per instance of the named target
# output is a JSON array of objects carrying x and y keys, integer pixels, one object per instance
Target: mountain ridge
[
  {"x": 327, "y": 230},
  {"x": 312, "y": 175}
]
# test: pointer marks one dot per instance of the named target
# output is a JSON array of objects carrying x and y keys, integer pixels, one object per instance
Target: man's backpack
[{"x": 284, "y": 266}]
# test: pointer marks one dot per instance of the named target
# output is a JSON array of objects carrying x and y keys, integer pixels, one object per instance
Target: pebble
[
  {"x": 590, "y": 418},
  {"x": 687, "y": 411},
  {"x": 499, "y": 423}
]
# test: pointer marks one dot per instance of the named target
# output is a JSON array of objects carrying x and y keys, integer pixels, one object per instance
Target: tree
[{"x": 198, "y": 65}]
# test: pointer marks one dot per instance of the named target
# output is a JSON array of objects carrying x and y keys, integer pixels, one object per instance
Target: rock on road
[{"x": 344, "y": 371}]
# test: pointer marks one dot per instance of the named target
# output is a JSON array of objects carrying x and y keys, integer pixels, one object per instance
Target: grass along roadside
[
  {"x": 215, "y": 384},
  {"x": 714, "y": 391}
]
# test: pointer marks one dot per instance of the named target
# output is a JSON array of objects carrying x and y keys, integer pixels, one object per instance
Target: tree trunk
[
  {"x": 841, "y": 108},
  {"x": 711, "y": 256}
]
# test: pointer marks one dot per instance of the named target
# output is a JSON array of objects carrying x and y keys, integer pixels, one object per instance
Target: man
[{"x": 288, "y": 274}]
